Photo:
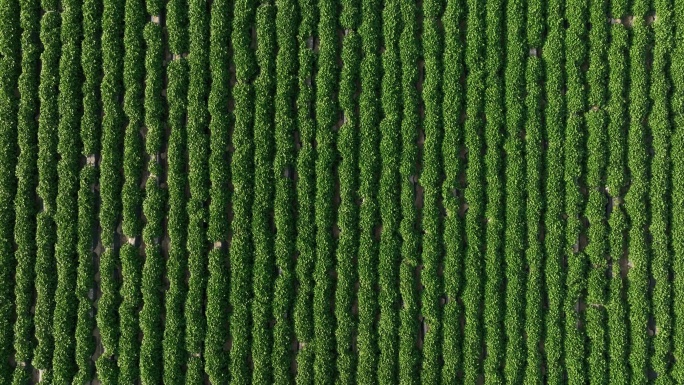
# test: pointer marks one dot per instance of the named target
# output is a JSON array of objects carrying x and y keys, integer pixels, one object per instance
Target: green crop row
[
  {"x": 326, "y": 118},
  {"x": 262, "y": 206},
  {"x": 370, "y": 32},
  {"x": 327, "y": 113},
  {"x": 112, "y": 90},
  {"x": 637, "y": 196},
  {"x": 515, "y": 194},
  {"x": 533, "y": 147},
  {"x": 241, "y": 169},
  {"x": 284, "y": 201},
  {"x": 515, "y": 176},
  {"x": 473, "y": 291},
  {"x": 134, "y": 110},
  {"x": 176, "y": 264},
  {"x": 659, "y": 121},
  {"x": 131, "y": 298},
  {"x": 219, "y": 174},
  {"x": 47, "y": 191},
  {"x": 554, "y": 115},
  {"x": 10, "y": 67},
  {"x": 150, "y": 280},
  {"x": 25, "y": 200},
  {"x": 616, "y": 179},
  {"x": 409, "y": 52},
  {"x": 177, "y": 26},
  {"x": 595, "y": 211},
  {"x": 430, "y": 179},
  {"x": 306, "y": 230},
  {"x": 66, "y": 217},
  {"x": 453, "y": 108},
  {"x": 348, "y": 210},
  {"x": 87, "y": 215},
  {"x": 677, "y": 224},
  {"x": 389, "y": 197},
  {"x": 495, "y": 330},
  {"x": 198, "y": 181},
  {"x": 175, "y": 355},
  {"x": 85, "y": 283},
  {"x": 574, "y": 178},
  {"x": 131, "y": 194},
  {"x": 151, "y": 326}
]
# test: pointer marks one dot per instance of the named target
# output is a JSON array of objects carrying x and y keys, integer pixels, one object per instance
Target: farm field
[{"x": 341, "y": 191}]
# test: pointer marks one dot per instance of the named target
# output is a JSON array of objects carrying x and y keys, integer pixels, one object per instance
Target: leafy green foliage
[
  {"x": 198, "y": 183},
  {"x": 25, "y": 205},
  {"x": 533, "y": 128},
  {"x": 495, "y": 218},
  {"x": 10, "y": 64},
  {"x": 219, "y": 174},
  {"x": 112, "y": 90},
  {"x": 677, "y": 67},
  {"x": 636, "y": 198},
  {"x": 515, "y": 176},
  {"x": 87, "y": 215},
  {"x": 152, "y": 280},
  {"x": 430, "y": 179},
  {"x": 389, "y": 198},
  {"x": 453, "y": 161},
  {"x": 306, "y": 230},
  {"x": 350, "y": 191},
  {"x": 595, "y": 212},
  {"x": 68, "y": 149},
  {"x": 262, "y": 206},
  {"x": 284, "y": 201},
  {"x": 575, "y": 178},
  {"x": 47, "y": 192},
  {"x": 553, "y": 56},
  {"x": 326, "y": 110},
  {"x": 242, "y": 166},
  {"x": 348, "y": 210},
  {"x": 175, "y": 355},
  {"x": 408, "y": 288},
  {"x": 616, "y": 179},
  {"x": 473, "y": 292},
  {"x": 370, "y": 116},
  {"x": 659, "y": 195}
]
